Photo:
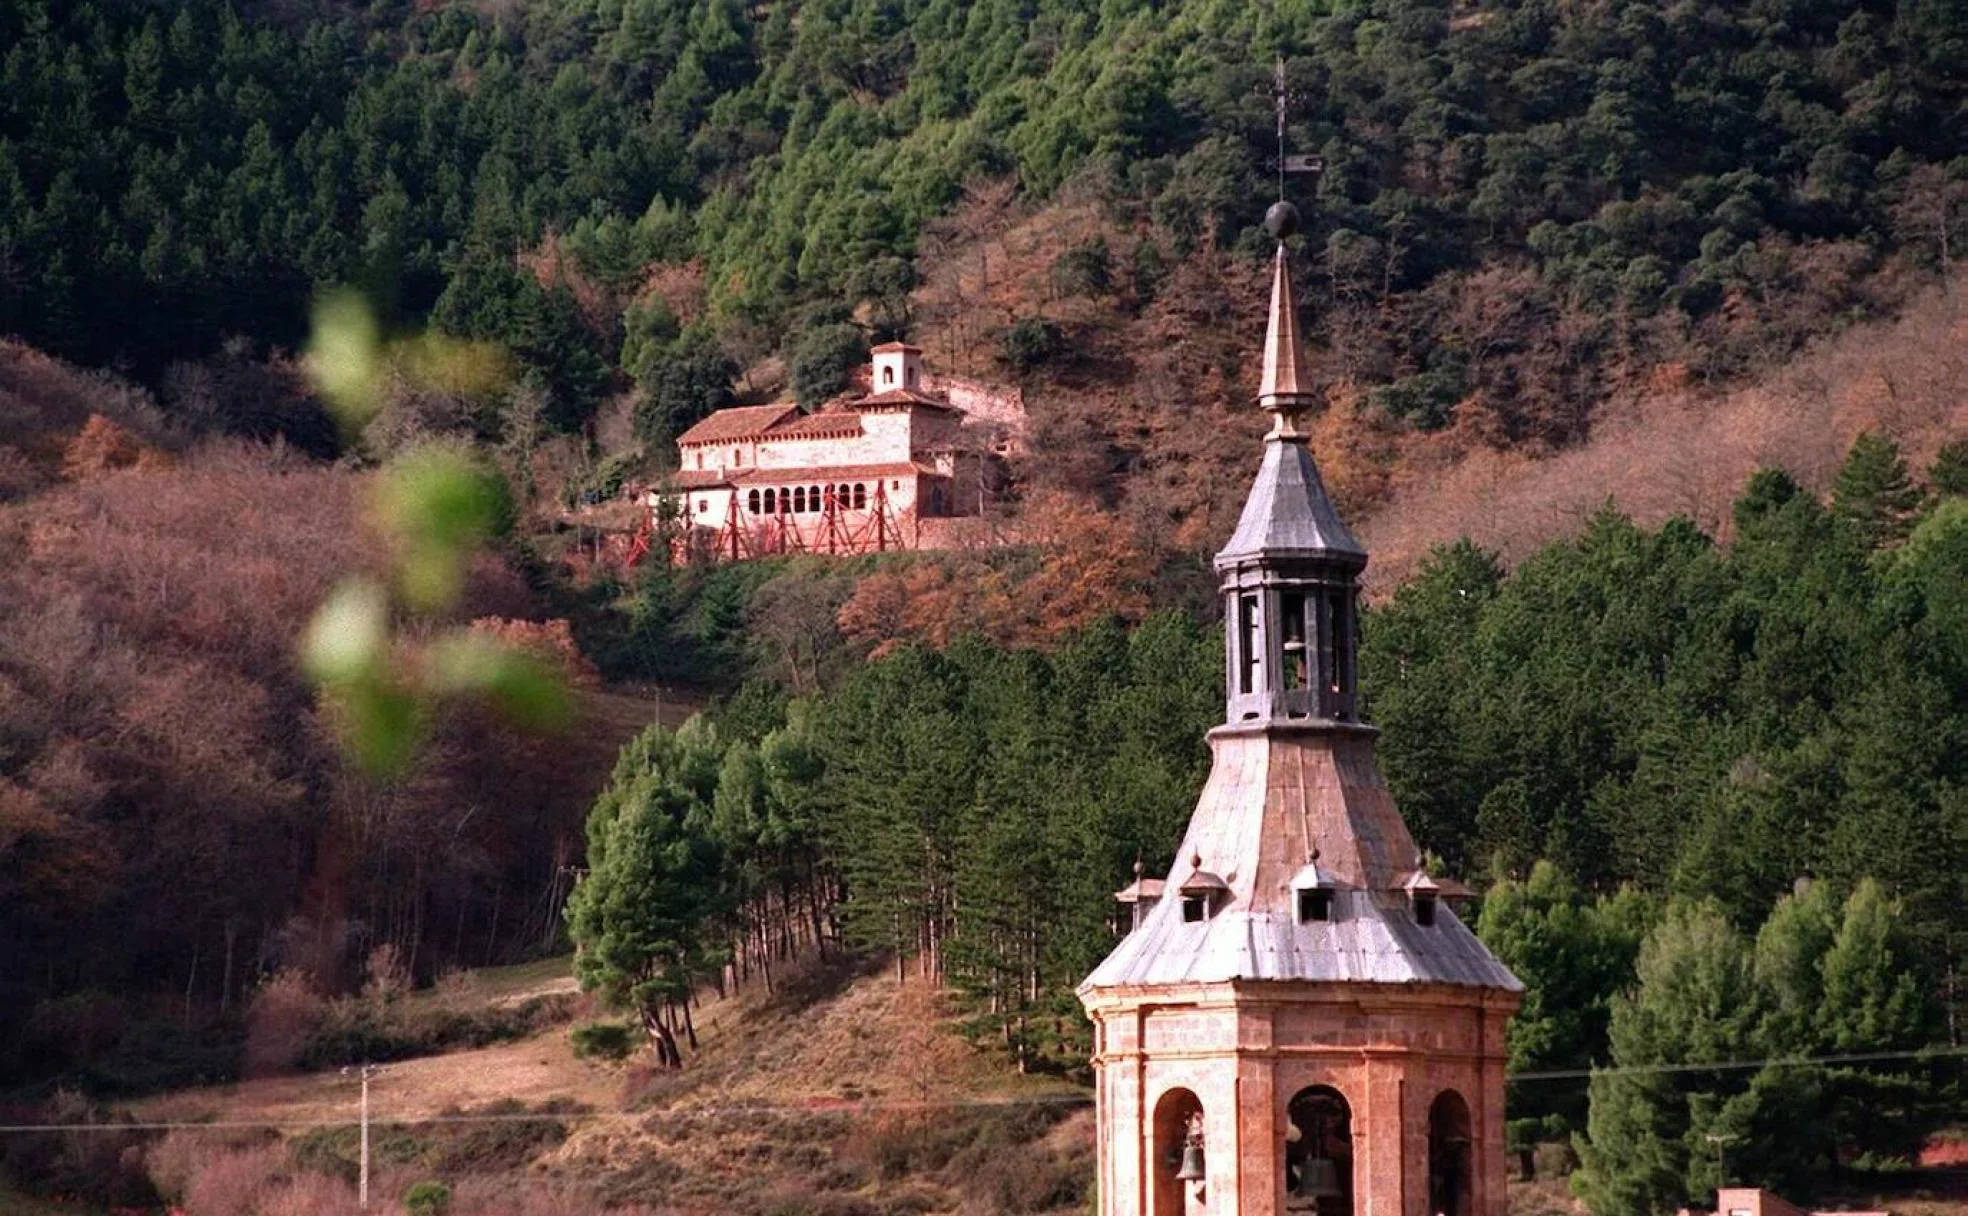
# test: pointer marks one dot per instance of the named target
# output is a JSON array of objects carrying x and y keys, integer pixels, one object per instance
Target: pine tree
[
  {"x": 643, "y": 915},
  {"x": 1573, "y": 954},
  {"x": 1948, "y": 475},
  {"x": 1873, "y": 492},
  {"x": 1697, "y": 1002}
]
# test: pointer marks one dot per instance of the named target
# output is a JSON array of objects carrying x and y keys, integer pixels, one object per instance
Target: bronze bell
[
  {"x": 1318, "y": 1178},
  {"x": 1191, "y": 1169}
]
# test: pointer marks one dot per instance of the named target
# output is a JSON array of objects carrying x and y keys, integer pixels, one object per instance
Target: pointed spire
[{"x": 1285, "y": 385}]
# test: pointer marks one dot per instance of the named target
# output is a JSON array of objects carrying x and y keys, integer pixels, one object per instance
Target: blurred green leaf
[
  {"x": 345, "y": 356},
  {"x": 521, "y": 686},
  {"x": 349, "y": 636},
  {"x": 439, "y": 503},
  {"x": 383, "y": 724}
]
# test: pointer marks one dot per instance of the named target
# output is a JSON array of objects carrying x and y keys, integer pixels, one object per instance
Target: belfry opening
[{"x": 1307, "y": 1025}]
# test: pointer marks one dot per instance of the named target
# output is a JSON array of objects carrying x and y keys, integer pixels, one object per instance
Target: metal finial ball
[{"x": 1281, "y": 220}]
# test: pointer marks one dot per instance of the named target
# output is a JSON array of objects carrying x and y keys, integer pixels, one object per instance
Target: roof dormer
[
  {"x": 1423, "y": 895},
  {"x": 1202, "y": 894},
  {"x": 1139, "y": 898},
  {"x": 1312, "y": 893}
]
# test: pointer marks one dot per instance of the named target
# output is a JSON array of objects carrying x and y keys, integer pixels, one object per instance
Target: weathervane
[{"x": 1282, "y": 97}]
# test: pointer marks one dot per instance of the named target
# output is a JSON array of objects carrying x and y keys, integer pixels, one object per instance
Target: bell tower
[{"x": 1295, "y": 1023}]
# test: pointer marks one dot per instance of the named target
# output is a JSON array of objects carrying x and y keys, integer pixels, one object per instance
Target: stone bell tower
[{"x": 1296, "y": 1022}]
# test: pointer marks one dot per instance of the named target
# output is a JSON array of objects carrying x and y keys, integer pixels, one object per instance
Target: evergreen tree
[
  {"x": 1948, "y": 475},
  {"x": 1573, "y": 954},
  {"x": 1873, "y": 492},
  {"x": 1697, "y": 1002}
]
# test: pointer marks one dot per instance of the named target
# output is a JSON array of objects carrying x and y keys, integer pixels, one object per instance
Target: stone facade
[{"x": 1243, "y": 1051}]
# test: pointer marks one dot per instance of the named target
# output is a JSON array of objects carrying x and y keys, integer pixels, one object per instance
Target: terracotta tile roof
[
  {"x": 900, "y": 396},
  {"x": 818, "y": 426},
  {"x": 700, "y": 479},
  {"x": 889, "y": 348},
  {"x": 739, "y": 422}
]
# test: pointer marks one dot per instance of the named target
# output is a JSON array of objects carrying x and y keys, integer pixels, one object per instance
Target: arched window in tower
[
  {"x": 888, "y": 375},
  {"x": 1181, "y": 1157},
  {"x": 1250, "y": 646},
  {"x": 1319, "y": 1152},
  {"x": 1451, "y": 1183},
  {"x": 1291, "y": 623}
]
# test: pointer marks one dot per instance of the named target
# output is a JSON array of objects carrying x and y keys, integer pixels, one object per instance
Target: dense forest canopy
[{"x": 1638, "y": 181}]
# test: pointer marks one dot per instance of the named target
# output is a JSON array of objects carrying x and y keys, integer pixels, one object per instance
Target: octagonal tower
[{"x": 1296, "y": 1022}]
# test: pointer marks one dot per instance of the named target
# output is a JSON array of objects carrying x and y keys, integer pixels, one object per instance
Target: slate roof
[
  {"x": 1288, "y": 515},
  {"x": 1371, "y": 938},
  {"x": 1305, "y": 806}
]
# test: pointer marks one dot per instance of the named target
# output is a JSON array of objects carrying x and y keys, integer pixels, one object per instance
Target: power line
[
  {"x": 857, "y": 1106},
  {"x": 1859, "y": 1057}
]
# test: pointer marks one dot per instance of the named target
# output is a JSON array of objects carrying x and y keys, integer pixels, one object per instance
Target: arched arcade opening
[
  {"x": 1451, "y": 1181},
  {"x": 1319, "y": 1153},
  {"x": 1177, "y": 1151}
]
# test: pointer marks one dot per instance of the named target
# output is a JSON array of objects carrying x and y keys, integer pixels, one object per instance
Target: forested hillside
[
  {"x": 1523, "y": 203},
  {"x": 1643, "y": 742},
  {"x": 1537, "y": 222}
]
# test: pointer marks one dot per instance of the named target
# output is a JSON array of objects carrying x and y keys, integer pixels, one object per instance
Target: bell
[
  {"x": 1318, "y": 1178},
  {"x": 1191, "y": 1169}
]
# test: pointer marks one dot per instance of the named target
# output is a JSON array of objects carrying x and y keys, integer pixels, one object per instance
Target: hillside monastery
[{"x": 869, "y": 472}]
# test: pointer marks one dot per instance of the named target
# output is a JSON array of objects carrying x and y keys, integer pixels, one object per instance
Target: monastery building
[{"x": 861, "y": 475}]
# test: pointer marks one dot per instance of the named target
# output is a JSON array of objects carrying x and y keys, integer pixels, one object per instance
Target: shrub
[
  {"x": 281, "y": 1023},
  {"x": 1030, "y": 342},
  {"x": 356, "y": 1030},
  {"x": 603, "y": 1040},
  {"x": 428, "y": 1199},
  {"x": 1084, "y": 270},
  {"x": 96, "y": 1169}
]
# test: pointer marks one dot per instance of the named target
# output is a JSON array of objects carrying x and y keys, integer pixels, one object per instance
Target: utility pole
[
  {"x": 366, "y": 1073},
  {"x": 1721, "y": 1141}
]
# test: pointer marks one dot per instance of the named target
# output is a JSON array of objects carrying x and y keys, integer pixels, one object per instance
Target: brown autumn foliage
[
  {"x": 1671, "y": 448},
  {"x": 1147, "y": 407},
  {"x": 1074, "y": 564},
  {"x": 174, "y": 817},
  {"x": 551, "y": 642},
  {"x": 101, "y": 447}
]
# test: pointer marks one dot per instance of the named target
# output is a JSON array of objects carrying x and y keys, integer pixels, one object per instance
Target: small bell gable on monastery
[
  {"x": 1298, "y": 1020},
  {"x": 860, "y": 474}
]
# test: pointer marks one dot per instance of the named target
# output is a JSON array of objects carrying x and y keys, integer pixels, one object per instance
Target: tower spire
[{"x": 1284, "y": 382}]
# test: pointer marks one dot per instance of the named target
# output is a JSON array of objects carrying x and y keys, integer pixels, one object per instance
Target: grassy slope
[
  {"x": 841, "y": 1084},
  {"x": 842, "y": 1092}
]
